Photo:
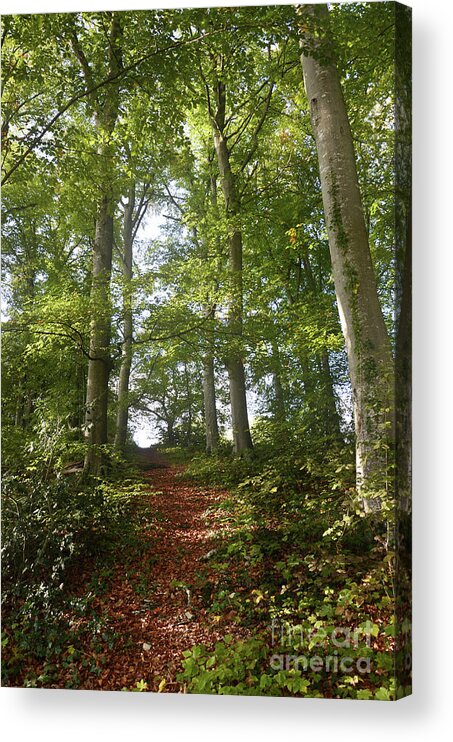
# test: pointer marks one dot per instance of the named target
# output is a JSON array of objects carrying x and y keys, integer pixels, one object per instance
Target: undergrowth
[
  {"x": 310, "y": 576},
  {"x": 52, "y": 526}
]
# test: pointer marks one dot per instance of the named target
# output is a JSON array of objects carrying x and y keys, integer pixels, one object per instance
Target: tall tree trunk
[
  {"x": 367, "y": 342},
  {"x": 242, "y": 440},
  {"x": 189, "y": 405},
  {"x": 126, "y": 351},
  {"x": 209, "y": 391},
  {"x": 18, "y": 416},
  {"x": 99, "y": 365},
  {"x": 171, "y": 435}
]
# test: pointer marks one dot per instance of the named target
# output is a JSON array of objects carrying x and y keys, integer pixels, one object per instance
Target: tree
[
  {"x": 240, "y": 422},
  {"x": 237, "y": 110},
  {"x": 106, "y": 110},
  {"x": 367, "y": 340}
]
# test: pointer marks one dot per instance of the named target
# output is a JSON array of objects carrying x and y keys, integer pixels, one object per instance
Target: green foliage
[
  {"x": 252, "y": 667},
  {"x": 313, "y": 564},
  {"x": 295, "y": 542},
  {"x": 238, "y": 668},
  {"x": 49, "y": 529}
]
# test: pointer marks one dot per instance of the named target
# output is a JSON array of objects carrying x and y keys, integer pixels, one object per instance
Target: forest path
[{"x": 154, "y": 605}]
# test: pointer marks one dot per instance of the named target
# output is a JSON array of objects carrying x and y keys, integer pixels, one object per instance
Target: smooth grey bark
[
  {"x": 279, "y": 398},
  {"x": 99, "y": 362},
  {"x": 242, "y": 439},
  {"x": 367, "y": 341},
  {"x": 126, "y": 349},
  {"x": 189, "y": 404},
  {"x": 209, "y": 390},
  {"x": 19, "y": 417},
  {"x": 209, "y": 401},
  {"x": 99, "y": 365}
]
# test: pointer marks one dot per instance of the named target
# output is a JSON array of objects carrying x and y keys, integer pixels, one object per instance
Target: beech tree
[
  {"x": 241, "y": 427},
  {"x": 367, "y": 340},
  {"x": 106, "y": 109}
]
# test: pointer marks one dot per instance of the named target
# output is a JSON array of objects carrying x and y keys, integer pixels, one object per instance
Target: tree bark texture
[
  {"x": 209, "y": 402},
  {"x": 242, "y": 439},
  {"x": 368, "y": 347},
  {"x": 99, "y": 365},
  {"x": 209, "y": 390},
  {"x": 126, "y": 350},
  {"x": 99, "y": 349}
]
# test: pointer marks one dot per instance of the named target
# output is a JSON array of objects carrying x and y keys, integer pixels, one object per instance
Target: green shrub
[
  {"x": 238, "y": 668},
  {"x": 48, "y": 525}
]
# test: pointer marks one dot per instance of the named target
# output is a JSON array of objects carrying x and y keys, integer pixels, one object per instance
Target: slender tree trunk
[
  {"x": 210, "y": 410},
  {"x": 126, "y": 352},
  {"x": 99, "y": 362},
  {"x": 171, "y": 436},
  {"x": 28, "y": 409},
  {"x": 209, "y": 391},
  {"x": 189, "y": 405},
  {"x": 242, "y": 440},
  {"x": 367, "y": 342},
  {"x": 99, "y": 365},
  {"x": 19, "y": 414}
]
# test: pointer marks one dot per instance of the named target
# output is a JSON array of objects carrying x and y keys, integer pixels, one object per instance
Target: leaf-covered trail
[{"x": 156, "y": 623}]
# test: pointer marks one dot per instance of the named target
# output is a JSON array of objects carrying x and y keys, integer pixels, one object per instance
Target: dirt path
[
  {"x": 167, "y": 616},
  {"x": 152, "y": 458}
]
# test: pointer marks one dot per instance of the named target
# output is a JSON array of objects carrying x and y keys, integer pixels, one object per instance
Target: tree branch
[{"x": 112, "y": 78}]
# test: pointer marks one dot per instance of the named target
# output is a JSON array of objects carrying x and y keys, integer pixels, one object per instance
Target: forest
[{"x": 206, "y": 350}]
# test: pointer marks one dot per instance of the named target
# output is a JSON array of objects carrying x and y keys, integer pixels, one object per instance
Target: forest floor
[
  {"x": 178, "y": 584},
  {"x": 147, "y": 607}
]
